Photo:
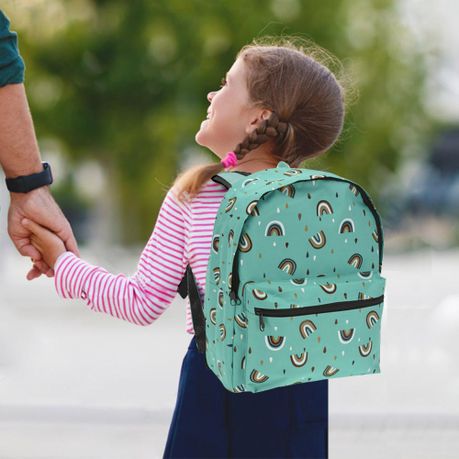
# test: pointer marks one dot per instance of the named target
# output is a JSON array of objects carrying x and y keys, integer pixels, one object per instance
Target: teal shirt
[{"x": 11, "y": 63}]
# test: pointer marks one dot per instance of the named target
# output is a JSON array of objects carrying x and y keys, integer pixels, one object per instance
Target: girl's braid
[{"x": 271, "y": 127}]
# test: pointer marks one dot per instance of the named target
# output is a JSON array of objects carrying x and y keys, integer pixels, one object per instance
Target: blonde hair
[{"x": 290, "y": 77}]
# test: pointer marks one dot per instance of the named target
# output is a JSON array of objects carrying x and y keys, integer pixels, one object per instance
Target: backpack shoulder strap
[
  {"x": 228, "y": 179},
  {"x": 188, "y": 286}
]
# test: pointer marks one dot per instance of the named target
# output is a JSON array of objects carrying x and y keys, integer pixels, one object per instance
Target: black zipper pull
[
  {"x": 262, "y": 322},
  {"x": 234, "y": 298}
]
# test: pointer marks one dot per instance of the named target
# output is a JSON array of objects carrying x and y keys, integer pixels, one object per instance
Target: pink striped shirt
[{"x": 182, "y": 234}]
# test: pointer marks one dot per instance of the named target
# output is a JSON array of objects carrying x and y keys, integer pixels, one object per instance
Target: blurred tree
[
  {"x": 75, "y": 207},
  {"x": 126, "y": 83}
]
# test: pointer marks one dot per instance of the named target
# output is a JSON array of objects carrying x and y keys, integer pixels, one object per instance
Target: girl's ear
[{"x": 265, "y": 114}]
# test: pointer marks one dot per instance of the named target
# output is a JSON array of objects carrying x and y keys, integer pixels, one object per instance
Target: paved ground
[{"x": 77, "y": 384}]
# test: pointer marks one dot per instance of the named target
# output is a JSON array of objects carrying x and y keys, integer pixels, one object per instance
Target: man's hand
[
  {"x": 38, "y": 206},
  {"x": 45, "y": 241}
]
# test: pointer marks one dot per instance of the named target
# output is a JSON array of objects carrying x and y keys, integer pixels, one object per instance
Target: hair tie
[{"x": 229, "y": 160}]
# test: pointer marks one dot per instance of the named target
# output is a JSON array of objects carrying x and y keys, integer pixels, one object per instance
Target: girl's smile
[{"x": 231, "y": 115}]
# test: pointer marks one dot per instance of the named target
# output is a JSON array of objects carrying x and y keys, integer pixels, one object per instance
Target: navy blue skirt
[{"x": 211, "y": 422}]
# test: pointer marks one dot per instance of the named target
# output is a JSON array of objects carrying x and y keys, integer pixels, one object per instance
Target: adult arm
[{"x": 19, "y": 155}]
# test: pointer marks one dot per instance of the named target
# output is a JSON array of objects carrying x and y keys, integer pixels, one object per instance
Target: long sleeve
[
  {"x": 11, "y": 63},
  {"x": 143, "y": 297}
]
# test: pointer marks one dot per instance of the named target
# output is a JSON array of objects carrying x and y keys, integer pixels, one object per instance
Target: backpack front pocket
[{"x": 310, "y": 329}]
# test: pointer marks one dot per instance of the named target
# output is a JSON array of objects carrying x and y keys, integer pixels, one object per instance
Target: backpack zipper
[
  {"x": 316, "y": 309},
  {"x": 366, "y": 199}
]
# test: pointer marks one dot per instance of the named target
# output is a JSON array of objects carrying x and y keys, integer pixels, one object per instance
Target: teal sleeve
[{"x": 11, "y": 63}]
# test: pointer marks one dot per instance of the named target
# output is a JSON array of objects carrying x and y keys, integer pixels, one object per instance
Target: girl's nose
[{"x": 210, "y": 95}]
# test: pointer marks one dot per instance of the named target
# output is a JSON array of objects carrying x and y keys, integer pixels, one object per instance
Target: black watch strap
[{"x": 26, "y": 183}]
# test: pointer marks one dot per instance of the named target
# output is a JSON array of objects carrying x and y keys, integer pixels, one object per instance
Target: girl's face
[{"x": 230, "y": 116}]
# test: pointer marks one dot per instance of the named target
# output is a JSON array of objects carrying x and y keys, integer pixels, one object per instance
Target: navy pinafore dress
[{"x": 211, "y": 422}]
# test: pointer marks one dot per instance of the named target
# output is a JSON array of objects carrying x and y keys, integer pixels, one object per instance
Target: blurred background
[{"x": 118, "y": 91}]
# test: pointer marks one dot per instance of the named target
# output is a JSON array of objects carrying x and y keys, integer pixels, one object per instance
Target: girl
[{"x": 277, "y": 103}]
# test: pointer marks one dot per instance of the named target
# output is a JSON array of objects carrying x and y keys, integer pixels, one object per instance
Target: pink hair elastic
[{"x": 229, "y": 160}]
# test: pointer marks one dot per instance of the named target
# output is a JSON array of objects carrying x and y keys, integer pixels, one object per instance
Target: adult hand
[{"x": 39, "y": 206}]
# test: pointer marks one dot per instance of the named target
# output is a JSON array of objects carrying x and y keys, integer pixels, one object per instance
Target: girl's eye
[{"x": 223, "y": 82}]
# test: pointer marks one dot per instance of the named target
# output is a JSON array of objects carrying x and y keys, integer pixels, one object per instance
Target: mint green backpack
[{"x": 293, "y": 288}]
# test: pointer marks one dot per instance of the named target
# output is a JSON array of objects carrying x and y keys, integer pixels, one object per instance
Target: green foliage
[{"x": 127, "y": 82}]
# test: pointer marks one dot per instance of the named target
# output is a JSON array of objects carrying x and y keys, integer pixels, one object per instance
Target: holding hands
[
  {"x": 46, "y": 242},
  {"x": 39, "y": 230}
]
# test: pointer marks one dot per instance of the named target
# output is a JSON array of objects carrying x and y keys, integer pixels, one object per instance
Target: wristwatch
[{"x": 26, "y": 183}]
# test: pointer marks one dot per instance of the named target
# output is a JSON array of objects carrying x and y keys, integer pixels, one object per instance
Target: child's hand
[{"x": 45, "y": 241}]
